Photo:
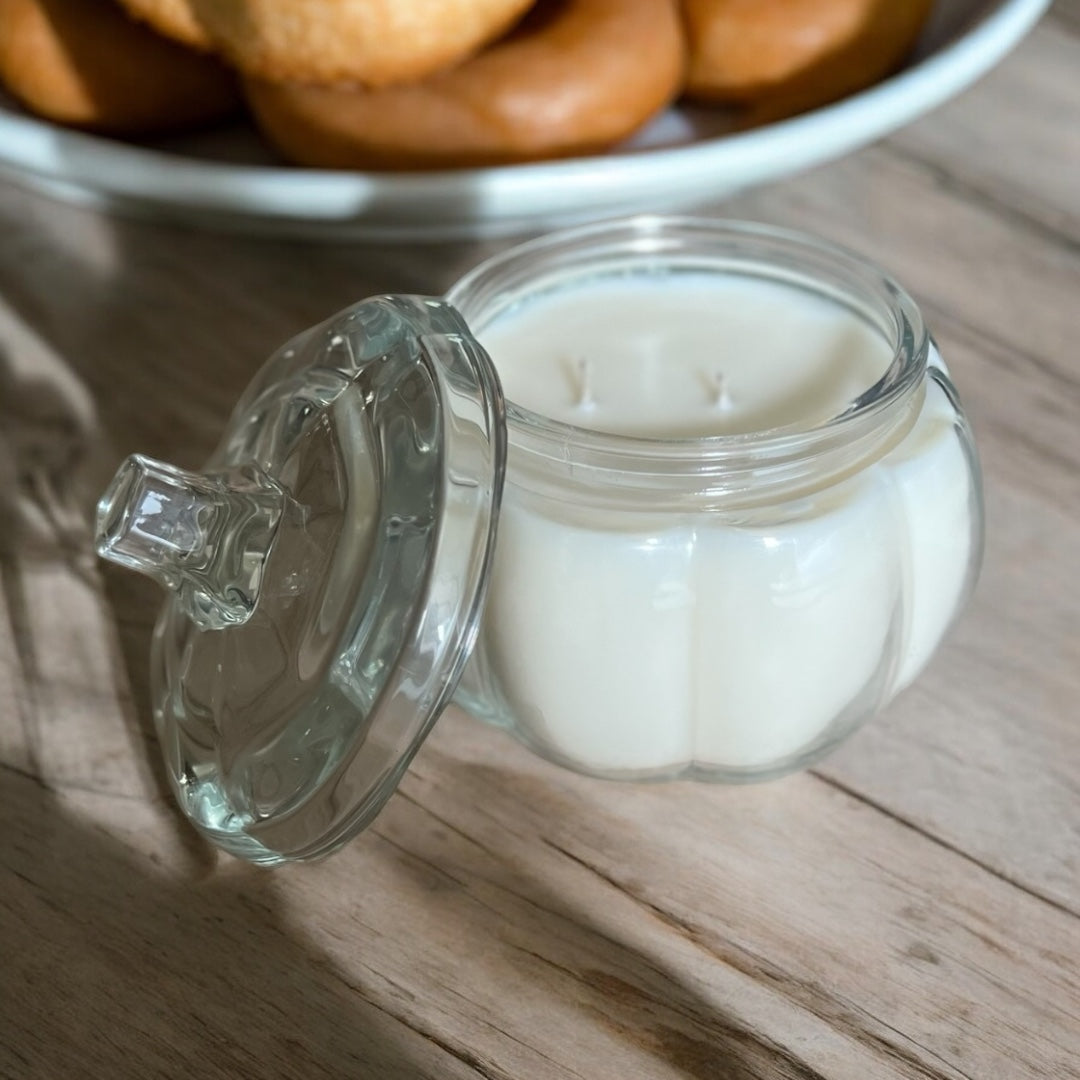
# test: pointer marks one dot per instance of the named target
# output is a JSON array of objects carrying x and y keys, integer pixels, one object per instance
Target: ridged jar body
[{"x": 725, "y": 609}]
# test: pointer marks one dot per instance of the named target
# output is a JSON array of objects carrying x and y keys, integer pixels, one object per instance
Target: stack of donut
[{"x": 415, "y": 84}]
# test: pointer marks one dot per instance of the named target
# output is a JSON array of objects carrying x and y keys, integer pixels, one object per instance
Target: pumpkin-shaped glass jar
[{"x": 722, "y": 606}]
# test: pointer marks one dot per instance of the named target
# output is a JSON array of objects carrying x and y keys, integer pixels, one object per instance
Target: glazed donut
[
  {"x": 87, "y": 64},
  {"x": 370, "y": 42},
  {"x": 784, "y": 56},
  {"x": 574, "y": 76}
]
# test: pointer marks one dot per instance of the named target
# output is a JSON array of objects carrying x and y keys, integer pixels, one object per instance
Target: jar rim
[{"x": 751, "y": 248}]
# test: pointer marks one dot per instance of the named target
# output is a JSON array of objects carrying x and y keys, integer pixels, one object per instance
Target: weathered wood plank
[
  {"x": 507, "y": 919},
  {"x": 1014, "y": 139},
  {"x": 120, "y": 959},
  {"x": 1065, "y": 15},
  {"x": 824, "y": 894}
]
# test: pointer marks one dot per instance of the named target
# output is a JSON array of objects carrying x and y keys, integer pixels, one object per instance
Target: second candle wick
[
  {"x": 721, "y": 397},
  {"x": 585, "y": 396}
]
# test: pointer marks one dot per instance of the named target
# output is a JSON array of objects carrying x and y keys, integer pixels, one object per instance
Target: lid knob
[{"x": 204, "y": 536}]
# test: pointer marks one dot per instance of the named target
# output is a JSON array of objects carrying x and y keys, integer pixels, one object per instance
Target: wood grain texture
[
  {"x": 912, "y": 910},
  {"x": 1013, "y": 141}
]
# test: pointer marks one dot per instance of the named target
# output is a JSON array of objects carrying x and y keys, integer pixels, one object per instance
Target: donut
[
  {"x": 785, "y": 56},
  {"x": 87, "y": 64},
  {"x": 369, "y": 42},
  {"x": 176, "y": 19},
  {"x": 575, "y": 76}
]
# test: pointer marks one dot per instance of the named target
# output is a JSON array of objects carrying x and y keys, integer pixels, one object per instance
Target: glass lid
[{"x": 326, "y": 574}]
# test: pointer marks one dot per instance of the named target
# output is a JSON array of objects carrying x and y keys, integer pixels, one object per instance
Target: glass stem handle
[{"x": 204, "y": 536}]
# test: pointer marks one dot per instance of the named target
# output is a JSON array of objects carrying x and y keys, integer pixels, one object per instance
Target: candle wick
[
  {"x": 585, "y": 398},
  {"x": 721, "y": 397}
]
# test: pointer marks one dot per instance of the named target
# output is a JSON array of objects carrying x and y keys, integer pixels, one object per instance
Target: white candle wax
[
  {"x": 635, "y": 641},
  {"x": 684, "y": 356}
]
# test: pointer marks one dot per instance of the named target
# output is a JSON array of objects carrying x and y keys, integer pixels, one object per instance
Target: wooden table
[{"x": 911, "y": 909}]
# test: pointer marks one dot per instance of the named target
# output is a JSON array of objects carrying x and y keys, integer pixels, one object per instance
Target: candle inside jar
[
  {"x": 637, "y": 640},
  {"x": 684, "y": 356}
]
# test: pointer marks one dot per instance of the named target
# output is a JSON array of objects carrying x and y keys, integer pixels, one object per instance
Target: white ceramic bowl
[{"x": 227, "y": 180}]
